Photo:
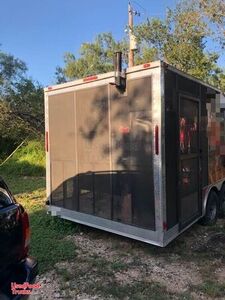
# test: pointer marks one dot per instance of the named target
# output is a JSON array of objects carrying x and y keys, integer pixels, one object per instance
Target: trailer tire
[
  {"x": 222, "y": 202},
  {"x": 212, "y": 210}
]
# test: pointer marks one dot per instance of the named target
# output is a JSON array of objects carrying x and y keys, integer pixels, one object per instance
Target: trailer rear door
[{"x": 189, "y": 161}]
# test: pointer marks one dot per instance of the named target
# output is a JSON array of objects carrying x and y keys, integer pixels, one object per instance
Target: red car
[{"x": 16, "y": 267}]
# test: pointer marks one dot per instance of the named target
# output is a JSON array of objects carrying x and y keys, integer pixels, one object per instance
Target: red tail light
[
  {"x": 25, "y": 234},
  {"x": 157, "y": 139}
]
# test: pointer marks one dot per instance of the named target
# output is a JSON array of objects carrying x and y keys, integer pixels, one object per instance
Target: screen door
[{"x": 189, "y": 161}]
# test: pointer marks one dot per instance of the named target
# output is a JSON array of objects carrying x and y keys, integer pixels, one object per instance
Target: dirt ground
[{"x": 106, "y": 266}]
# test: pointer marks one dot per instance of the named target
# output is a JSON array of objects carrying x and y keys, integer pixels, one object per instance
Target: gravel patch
[
  {"x": 176, "y": 277},
  {"x": 105, "y": 262}
]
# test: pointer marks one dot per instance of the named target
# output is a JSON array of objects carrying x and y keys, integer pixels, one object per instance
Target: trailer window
[{"x": 188, "y": 127}]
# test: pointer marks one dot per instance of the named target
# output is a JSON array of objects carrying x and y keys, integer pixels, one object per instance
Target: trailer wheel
[
  {"x": 222, "y": 202},
  {"x": 212, "y": 209}
]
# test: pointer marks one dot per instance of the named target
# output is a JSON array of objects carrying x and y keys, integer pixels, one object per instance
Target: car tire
[
  {"x": 4, "y": 297},
  {"x": 212, "y": 210},
  {"x": 222, "y": 202}
]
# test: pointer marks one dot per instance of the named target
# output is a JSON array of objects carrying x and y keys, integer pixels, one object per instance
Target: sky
[{"x": 40, "y": 32}]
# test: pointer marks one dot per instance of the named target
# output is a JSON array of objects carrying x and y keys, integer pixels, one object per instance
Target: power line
[{"x": 137, "y": 3}]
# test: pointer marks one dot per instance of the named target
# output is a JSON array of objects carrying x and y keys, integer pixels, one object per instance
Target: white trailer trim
[{"x": 134, "y": 232}]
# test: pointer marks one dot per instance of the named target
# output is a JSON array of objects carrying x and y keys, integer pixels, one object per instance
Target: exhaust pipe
[
  {"x": 119, "y": 79},
  {"x": 118, "y": 63}
]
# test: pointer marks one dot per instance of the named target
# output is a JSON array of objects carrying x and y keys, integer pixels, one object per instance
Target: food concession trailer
[{"x": 139, "y": 153}]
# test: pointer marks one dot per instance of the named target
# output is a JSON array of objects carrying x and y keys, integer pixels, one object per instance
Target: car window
[{"x": 5, "y": 200}]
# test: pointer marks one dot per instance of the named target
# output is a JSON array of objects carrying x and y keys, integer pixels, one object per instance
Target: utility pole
[{"x": 130, "y": 27}]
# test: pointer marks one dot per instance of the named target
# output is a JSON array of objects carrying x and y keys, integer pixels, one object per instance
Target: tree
[
  {"x": 26, "y": 101},
  {"x": 12, "y": 70},
  {"x": 20, "y": 94},
  {"x": 59, "y": 75},
  {"x": 181, "y": 40},
  {"x": 95, "y": 57},
  {"x": 214, "y": 13},
  {"x": 21, "y": 103}
]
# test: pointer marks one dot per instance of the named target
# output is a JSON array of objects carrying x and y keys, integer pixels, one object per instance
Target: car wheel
[
  {"x": 222, "y": 202},
  {"x": 212, "y": 209}
]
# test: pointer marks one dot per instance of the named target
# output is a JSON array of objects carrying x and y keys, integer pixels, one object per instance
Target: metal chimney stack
[{"x": 119, "y": 79}]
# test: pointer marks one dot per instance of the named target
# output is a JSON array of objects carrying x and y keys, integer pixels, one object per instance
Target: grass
[
  {"x": 47, "y": 233},
  {"x": 29, "y": 160},
  {"x": 212, "y": 288},
  {"x": 49, "y": 246},
  {"x": 65, "y": 274},
  {"x": 24, "y": 174},
  {"x": 118, "y": 266},
  {"x": 140, "y": 290},
  {"x": 96, "y": 274},
  {"x": 23, "y": 184}
]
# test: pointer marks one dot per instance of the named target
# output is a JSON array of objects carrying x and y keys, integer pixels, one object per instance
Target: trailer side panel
[{"x": 101, "y": 152}]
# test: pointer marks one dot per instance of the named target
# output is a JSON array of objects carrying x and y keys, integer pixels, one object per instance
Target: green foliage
[
  {"x": 12, "y": 127},
  {"x": 95, "y": 57},
  {"x": 21, "y": 103},
  {"x": 11, "y": 70},
  {"x": 214, "y": 13},
  {"x": 152, "y": 35},
  {"x": 29, "y": 160},
  {"x": 59, "y": 75},
  {"x": 181, "y": 40},
  {"x": 26, "y": 102}
]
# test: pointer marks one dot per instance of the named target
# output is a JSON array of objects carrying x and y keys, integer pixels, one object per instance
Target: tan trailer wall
[
  {"x": 101, "y": 152},
  {"x": 133, "y": 191},
  {"x": 62, "y": 150},
  {"x": 92, "y": 123}
]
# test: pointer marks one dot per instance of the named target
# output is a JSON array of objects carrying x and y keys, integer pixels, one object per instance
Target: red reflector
[
  {"x": 146, "y": 66},
  {"x": 157, "y": 139},
  {"x": 46, "y": 141},
  {"x": 90, "y": 78},
  {"x": 124, "y": 129},
  {"x": 165, "y": 227},
  {"x": 49, "y": 88},
  {"x": 26, "y": 234}
]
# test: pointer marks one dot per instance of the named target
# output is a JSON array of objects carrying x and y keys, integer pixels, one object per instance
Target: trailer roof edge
[
  {"x": 145, "y": 66},
  {"x": 81, "y": 81},
  {"x": 99, "y": 77},
  {"x": 172, "y": 68}
]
